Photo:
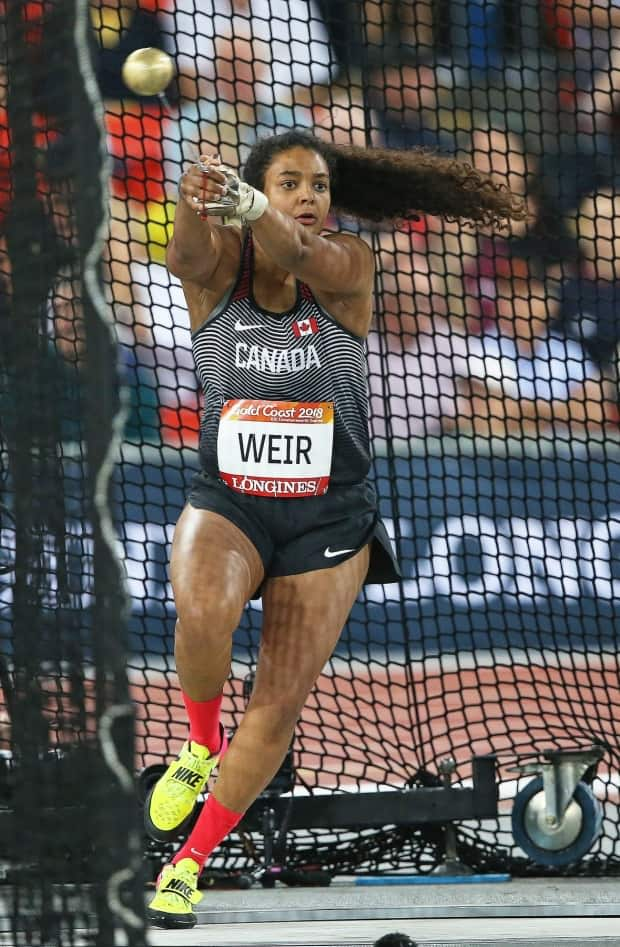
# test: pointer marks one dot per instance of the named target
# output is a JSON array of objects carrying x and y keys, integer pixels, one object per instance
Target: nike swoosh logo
[
  {"x": 241, "y": 327},
  {"x": 330, "y": 553}
]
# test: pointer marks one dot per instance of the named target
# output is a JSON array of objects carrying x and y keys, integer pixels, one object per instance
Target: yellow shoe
[
  {"x": 171, "y": 801},
  {"x": 176, "y": 893}
]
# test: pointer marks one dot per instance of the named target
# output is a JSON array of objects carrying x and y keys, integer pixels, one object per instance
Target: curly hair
[{"x": 384, "y": 184}]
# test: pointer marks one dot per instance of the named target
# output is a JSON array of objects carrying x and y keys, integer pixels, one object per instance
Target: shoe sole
[
  {"x": 170, "y": 922},
  {"x": 163, "y": 835}
]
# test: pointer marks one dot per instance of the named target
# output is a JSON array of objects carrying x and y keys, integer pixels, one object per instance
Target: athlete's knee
[
  {"x": 279, "y": 712},
  {"x": 204, "y": 620}
]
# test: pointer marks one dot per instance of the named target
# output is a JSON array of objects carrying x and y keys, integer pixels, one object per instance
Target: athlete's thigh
[
  {"x": 303, "y": 616},
  {"x": 212, "y": 559}
]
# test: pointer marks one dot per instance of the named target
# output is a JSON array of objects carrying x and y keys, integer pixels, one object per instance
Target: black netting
[
  {"x": 502, "y": 637},
  {"x": 492, "y": 385},
  {"x": 71, "y": 852}
]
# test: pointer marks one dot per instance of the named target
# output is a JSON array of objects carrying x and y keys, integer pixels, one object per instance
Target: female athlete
[{"x": 283, "y": 507}]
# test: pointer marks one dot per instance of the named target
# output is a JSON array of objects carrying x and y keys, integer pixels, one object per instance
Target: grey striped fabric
[{"x": 243, "y": 351}]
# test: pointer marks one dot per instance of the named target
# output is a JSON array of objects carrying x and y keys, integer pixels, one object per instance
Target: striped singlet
[{"x": 303, "y": 355}]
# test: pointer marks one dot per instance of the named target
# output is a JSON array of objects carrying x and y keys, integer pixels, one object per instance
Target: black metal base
[{"x": 437, "y": 804}]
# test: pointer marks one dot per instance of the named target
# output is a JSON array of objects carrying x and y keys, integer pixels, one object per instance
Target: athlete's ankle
[
  {"x": 204, "y": 722},
  {"x": 222, "y": 746},
  {"x": 179, "y": 857},
  {"x": 213, "y": 825}
]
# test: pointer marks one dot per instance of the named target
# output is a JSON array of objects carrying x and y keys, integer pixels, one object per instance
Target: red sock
[
  {"x": 204, "y": 721},
  {"x": 214, "y": 823}
]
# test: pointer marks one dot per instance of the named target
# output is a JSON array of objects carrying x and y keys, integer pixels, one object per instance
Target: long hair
[{"x": 384, "y": 184}]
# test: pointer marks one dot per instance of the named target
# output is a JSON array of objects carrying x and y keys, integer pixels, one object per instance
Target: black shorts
[{"x": 295, "y": 536}]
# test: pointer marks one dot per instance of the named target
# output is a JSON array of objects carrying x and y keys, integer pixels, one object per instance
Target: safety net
[
  {"x": 71, "y": 851},
  {"x": 493, "y": 396}
]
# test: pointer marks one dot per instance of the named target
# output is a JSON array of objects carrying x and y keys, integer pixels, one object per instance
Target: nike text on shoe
[
  {"x": 331, "y": 553},
  {"x": 170, "y": 803},
  {"x": 177, "y": 885}
]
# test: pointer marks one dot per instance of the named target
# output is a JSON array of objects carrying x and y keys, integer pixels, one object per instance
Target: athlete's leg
[
  {"x": 214, "y": 570},
  {"x": 303, "y": 616}
]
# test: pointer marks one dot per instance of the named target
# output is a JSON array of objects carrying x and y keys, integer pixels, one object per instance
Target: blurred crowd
[{"x": 499, "y": 335}]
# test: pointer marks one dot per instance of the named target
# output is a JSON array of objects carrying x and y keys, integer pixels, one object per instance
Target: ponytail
[{"x": 385, "y": 185}]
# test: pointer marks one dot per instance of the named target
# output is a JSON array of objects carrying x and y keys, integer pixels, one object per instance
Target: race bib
[{"x": 276, "y": 449}]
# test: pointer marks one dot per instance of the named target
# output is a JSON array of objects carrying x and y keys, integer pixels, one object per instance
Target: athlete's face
[{"x": 297, "y": 184}]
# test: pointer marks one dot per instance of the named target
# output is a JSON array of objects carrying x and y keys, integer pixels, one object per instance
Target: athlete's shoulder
[
  {"x": 360, "y": 254},
  {"x": 356, "y": 246}
]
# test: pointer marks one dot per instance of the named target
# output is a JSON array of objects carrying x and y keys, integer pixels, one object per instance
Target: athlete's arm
[
  {"x": 341, "y": 264},
  {"x": 195, "y": 250}
]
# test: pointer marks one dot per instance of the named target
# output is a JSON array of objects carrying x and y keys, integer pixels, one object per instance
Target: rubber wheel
[{"x": 529, "y": 802}]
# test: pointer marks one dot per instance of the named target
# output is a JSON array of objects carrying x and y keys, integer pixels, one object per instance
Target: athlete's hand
[
  {"x": 211, "y": 188},
  {"x": 205, "y": 186}
]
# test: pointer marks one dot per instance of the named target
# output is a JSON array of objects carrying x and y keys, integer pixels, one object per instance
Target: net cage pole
[{"x": 74, "y": 851}]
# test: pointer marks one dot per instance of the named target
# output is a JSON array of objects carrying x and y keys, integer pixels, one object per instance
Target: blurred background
[{"x": 526, "y": 90}]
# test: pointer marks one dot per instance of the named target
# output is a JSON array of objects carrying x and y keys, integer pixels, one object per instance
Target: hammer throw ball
[{"x": 148, "y": 71}]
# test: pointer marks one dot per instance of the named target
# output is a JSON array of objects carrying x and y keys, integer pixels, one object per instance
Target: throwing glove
[{"x": 241, "y": 202}]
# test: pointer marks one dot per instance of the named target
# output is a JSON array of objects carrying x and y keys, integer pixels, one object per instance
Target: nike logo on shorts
[
  {"x": 242, "y": 327},
  {"x": 330, "y": 553}
]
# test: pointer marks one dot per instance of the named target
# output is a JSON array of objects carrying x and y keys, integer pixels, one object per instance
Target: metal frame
[{"x": 377, "y": 809}]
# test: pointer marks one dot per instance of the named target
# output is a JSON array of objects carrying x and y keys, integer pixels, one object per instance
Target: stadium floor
[{"x": 522, "y": 913}]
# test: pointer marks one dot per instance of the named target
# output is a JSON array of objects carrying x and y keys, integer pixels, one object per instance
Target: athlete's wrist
[{"x": 252, "y": 203}]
